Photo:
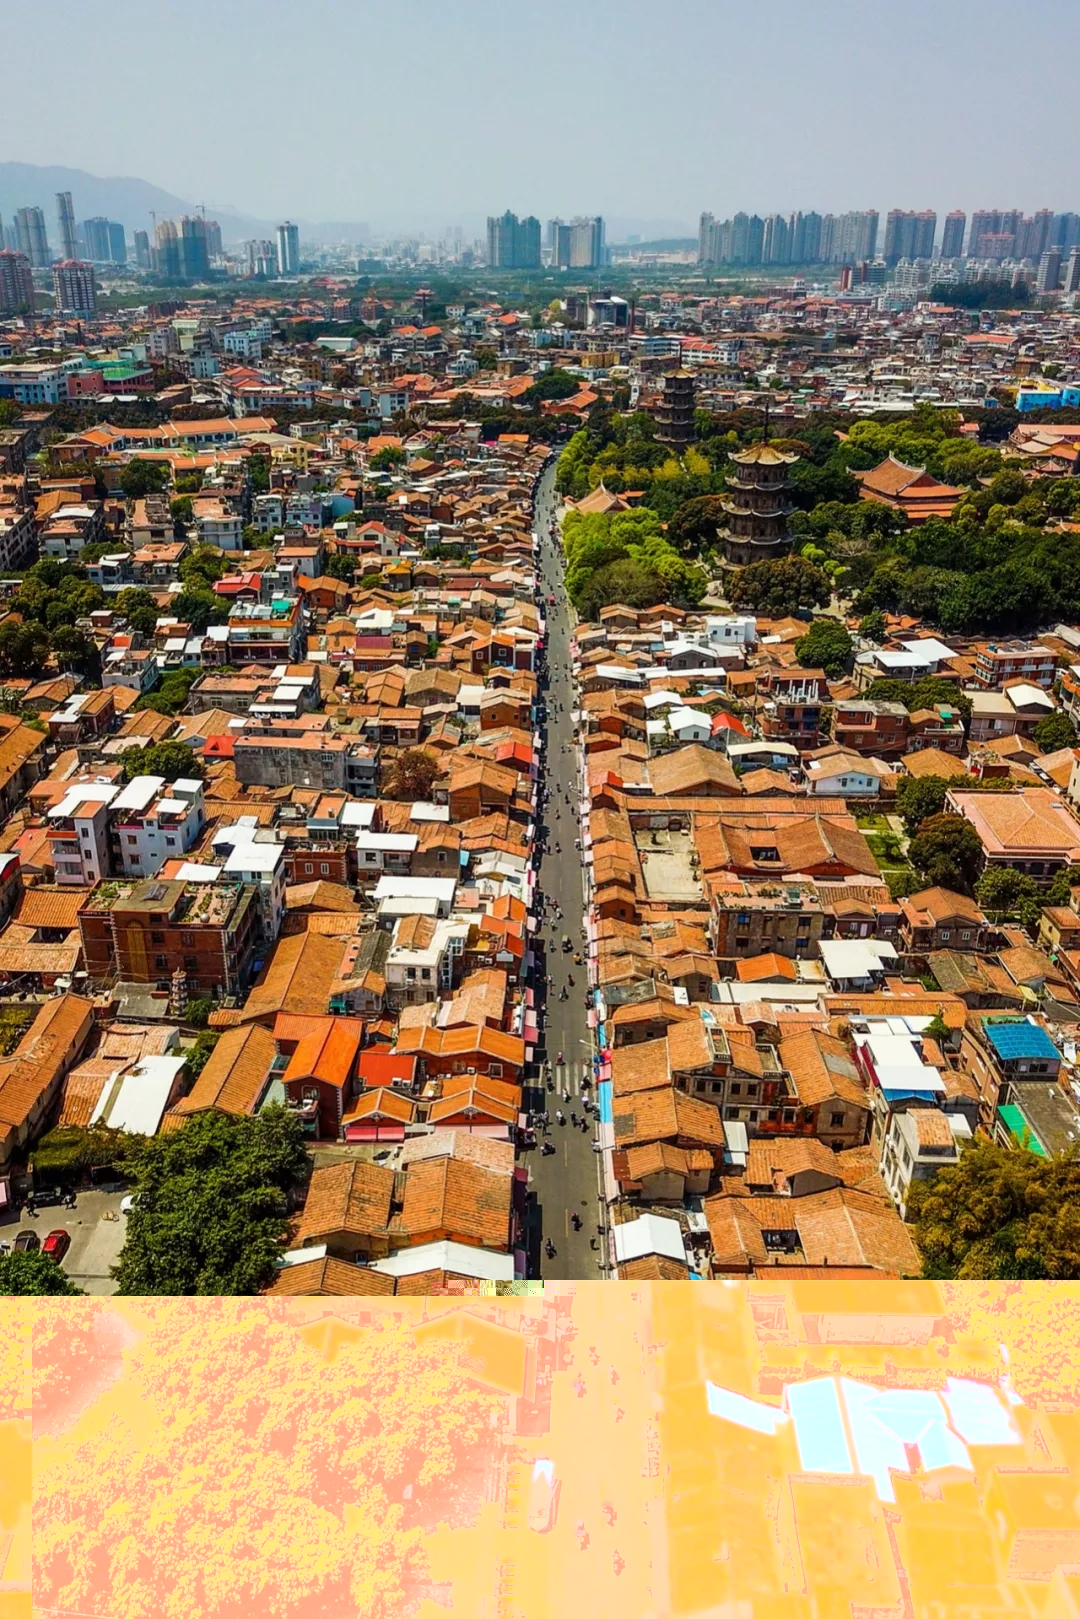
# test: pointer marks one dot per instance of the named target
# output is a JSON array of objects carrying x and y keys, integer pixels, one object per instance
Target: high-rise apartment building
[
  {"x": 194, "y": 258},
  {"x": 952, "y": 237},
  {"x": 1049, "y": 271},
  {"x": 909, "y": 235},
  {"x": 16, "y": 284},
  {"x": 288, "y": 248},
  {"x": 65, "y": 219},
  {"x": 30, "y": 229},
  {"x": 776, "y": 241},
  {"x": 165, "y": 258},
  {"x": 213, "y": 240},
  {"x": 806, "y": 248},
  {"x": 513, "y": 243},
  {"x": 587, "y": 248},
  {"x": 262, "y": 259},
  {"x": 75, "y": 288},
  {"x": 95, "y": 235},
  {"x": 984, "y": 222},
  {"x": 117, "y": 243},
  {"x": 1072, "y": 271},
  {"x": 1065, "y": 232},
  {"x": 142, "y": 250}
]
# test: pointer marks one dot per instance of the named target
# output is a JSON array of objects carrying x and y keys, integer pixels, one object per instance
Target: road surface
[{"x": 567, "y": 1182}]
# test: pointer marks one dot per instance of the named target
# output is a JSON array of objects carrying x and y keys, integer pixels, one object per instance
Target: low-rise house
[
  {"x": 938, "y": 919},
  {"x": 918, "y": 1143}
]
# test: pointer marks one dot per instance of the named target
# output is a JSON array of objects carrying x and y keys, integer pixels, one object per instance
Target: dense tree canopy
[
  {"x": 946, "y": 853},
  {"x": 918, "y": 797},
  {"x": 141, "y": 478},
  {"x": 173, "y": 760},
  {"x": 592, "y": 541},
  {"x": 210, "y": 1203},
  {"x": 34, "y": 1274},
  {"x": 1002, "y": 891},
  {"x": 826, "y": 646},
  {"x": 1055, "y": 731},
  {"x": 999, "y": 1215},
  {"x": 781, "y": 588}
]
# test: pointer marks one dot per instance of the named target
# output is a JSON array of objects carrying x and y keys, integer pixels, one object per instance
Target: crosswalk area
[{"x": 569, "y": 1075}]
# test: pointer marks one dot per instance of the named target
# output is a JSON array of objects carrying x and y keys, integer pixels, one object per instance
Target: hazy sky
[{"x": 434, "y": 110}]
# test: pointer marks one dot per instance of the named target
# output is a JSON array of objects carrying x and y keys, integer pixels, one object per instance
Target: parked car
[
  {"x": 47, "y": 1197},
  {"x": 56, "y": 1245},
  {"x": 26, "y": 1242},
  {"x": 127, "y": 1203}
]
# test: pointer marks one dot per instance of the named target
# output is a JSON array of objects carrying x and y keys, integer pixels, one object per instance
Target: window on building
[
  {"x": 171, "y": 842},
  {"x": 308, "y": 868},
  {"x": 788, "y": 1115},
  {"x": 160, "y": 962},
  {"x": 157, "y": 938},
  {"x": 836, "y": 1120},
  {"x": 133, "y": 837},
  {"x": 495, "y": 1070},
  {"x": 84, "y": 831},
  {"x": 736, "y": 1089},
  {"x": 717, "y": 1087}
]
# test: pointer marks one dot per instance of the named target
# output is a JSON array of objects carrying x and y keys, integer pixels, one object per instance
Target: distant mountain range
[{"x": 134, "y": 202}]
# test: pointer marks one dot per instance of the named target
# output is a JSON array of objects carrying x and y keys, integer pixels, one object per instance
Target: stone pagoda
[{"x": 758, "y": 505}]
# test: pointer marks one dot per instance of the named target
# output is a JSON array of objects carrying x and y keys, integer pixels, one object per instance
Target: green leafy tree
[
  {"x": 826, "y": 646},
  {"x": 694, "y": 526},
  {"x": 873, "y": 627},
  {"x": 189, "y": 483},
  {"x": 199, "y": 608},
  {"x": 202, "y": 568},
  {"x": 999, "y": 1215},
  {"x": 198, "y": 1011},
  {"x": 182, "y": 511},
  {"x": 918, "y": 797},
  {"x": 140, "y": 609},
  {"x": 73, "y": 649},
  {"x": 34, "y": 1274},
  {"x": 142, "y": 478},
  {"x": 946, "y": 852},
  {"x": 1054, "y": 732},
  {"x": 1001, "y": 890},
  {"x": 553, "y": 384},
  {"x": 390, "y": 456},
  {"x": 624, "y": 582},
  {"x": 340, "y": 565},
  {"x": 24, "y": 648},
  {"x": 198, "y": 1053},
  {"x": 1064, "y": 881},
  {"x": 780, "y": 588},
  {"x": 210, "y": 1204},
  {"x": 173, "y": 760}
]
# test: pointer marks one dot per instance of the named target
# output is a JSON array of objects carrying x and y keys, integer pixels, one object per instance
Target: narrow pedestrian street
[{"x": 565, "y": 1182}]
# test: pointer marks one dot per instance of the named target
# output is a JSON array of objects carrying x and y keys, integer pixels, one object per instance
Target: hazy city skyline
[{"x": 565, "y": 110}]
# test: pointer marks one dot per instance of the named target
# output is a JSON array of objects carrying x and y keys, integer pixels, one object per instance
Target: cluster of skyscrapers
[
  {"x": 97, "y": 240},
  {"x": 268, "y": 259},
  {"x": 517, "y": 244},
  {"x": 852, "y": 238},
  {"x": 797, "y": 238}
]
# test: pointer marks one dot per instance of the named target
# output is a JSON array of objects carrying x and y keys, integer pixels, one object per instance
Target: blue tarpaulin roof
[{"x": 1020, "y": 1039}]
